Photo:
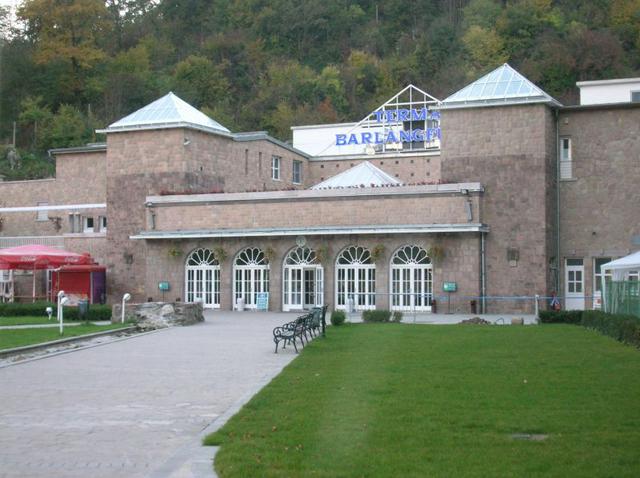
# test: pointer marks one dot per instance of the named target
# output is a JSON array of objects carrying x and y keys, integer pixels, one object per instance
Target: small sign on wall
[
  {"x": 450, "y": 286},
  {"x": 163, "y": 286},
  {"x": 262, "y": 301}
]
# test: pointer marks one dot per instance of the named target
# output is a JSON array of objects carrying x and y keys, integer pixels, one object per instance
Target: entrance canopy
[
  {"x": 39, "y": 257},
  {"x": 620, "y": 267}
]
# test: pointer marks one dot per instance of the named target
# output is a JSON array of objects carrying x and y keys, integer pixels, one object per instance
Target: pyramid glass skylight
[
  {"x": 167, "y": 112},
  {"x": 504, "y": 85},
  {"x": 364, "y": 174}
]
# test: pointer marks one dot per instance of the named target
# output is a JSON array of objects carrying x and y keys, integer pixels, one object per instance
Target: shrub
[
  {"x": 338, "y": 317},
  {"x": 560, "y": 316},
  {"x": 96, "y": 311},
  {"x": 376, "y": 315},
  {"x": 396, "y": 316},
  {"x": 622, "y": 327}
]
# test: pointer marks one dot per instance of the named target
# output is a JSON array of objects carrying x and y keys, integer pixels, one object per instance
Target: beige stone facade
[{"x": 488, "y": 199}]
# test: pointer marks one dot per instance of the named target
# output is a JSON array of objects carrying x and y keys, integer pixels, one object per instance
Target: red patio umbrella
[{"x": 33, "y": 257}]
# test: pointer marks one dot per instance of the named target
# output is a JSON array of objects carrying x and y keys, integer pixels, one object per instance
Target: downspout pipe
[
  {"x": 558, "y": 284},
  {"x": 483, "y": 274}
]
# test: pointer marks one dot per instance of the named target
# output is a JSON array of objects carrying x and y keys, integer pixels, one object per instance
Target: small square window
[
  {"x": 566, "y": 170},
  {"x": 635, "y": 97},
  {"x": 275, "y": 167}
]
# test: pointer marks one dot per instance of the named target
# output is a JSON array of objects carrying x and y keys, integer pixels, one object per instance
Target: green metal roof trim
[{"x": 503, "y": 86}]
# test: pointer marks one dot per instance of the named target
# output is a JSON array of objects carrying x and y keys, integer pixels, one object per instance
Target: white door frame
[{"x": 574, "y": 286}]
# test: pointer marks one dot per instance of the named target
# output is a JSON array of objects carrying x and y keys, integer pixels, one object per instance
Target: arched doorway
[
  {"x": 202, "y": 278},
  {"x": 356, "y": 279},
  {"x": 251, "y": 276},
  {"x": 302, "y": 280},
  {"x": 411, "y": 279}
]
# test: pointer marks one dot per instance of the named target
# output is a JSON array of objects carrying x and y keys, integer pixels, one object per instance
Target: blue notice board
[{"x": 262, "y": 301}]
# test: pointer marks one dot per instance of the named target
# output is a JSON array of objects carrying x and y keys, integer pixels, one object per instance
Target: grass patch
[
  {"x": 20, "y": 337},
  {"x": 27, "y": 320},
  {"x": 402, "y": 400}
]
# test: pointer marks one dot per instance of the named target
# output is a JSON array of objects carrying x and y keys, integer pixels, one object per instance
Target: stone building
[{"x": 496, "y": 193}]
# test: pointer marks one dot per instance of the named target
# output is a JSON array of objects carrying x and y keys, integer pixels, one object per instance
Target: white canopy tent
[{"x": 619, "y": 269}]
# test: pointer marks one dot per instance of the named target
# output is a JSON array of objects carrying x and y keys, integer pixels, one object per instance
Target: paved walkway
[{"x": 132, "y": 408}]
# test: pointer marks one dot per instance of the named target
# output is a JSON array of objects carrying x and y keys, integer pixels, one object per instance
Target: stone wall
[
  {"x": 508, "y": 150},
  {"x": 599, "y": 212},
  {"x": 159, "y": 315},
  {"x": 320, "y": 210},
  {"x": 407, "y": 168}
]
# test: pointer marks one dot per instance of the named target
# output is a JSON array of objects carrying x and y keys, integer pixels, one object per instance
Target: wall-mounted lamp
[
  {"x": 464, "y": 192},
  {"x": 186, "y": 141}
]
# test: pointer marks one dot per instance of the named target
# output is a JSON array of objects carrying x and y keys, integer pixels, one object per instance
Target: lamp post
[
  {"x": 63, "y": 301},
  {"x": 49, "y": 312},
  {"x": 60, "y": 296},
  {"x": 125, "y": 298}
]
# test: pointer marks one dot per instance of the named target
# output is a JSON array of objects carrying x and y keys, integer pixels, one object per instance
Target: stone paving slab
[{"x": 125, "y": 408}]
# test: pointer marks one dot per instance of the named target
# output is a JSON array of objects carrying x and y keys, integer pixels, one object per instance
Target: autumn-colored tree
[{"x": 67, "y": 33}]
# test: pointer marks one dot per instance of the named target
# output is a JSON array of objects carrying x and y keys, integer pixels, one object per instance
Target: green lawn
[
  {"x": 28, "y": 320},
  {"x": 19, "y": 337},
  {"x": 401, "y": 400}
]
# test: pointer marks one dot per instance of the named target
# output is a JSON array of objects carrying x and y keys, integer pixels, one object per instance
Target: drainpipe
[
  {"x": 483, "y": 275},
  {"x": 558, "y": 284}
]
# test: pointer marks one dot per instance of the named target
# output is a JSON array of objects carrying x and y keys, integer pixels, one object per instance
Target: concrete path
[{"x": 133, "y": 408}]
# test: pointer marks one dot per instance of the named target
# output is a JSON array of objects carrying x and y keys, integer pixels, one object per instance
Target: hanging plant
[
  {"x": 269, "y": 253},
  {"x": 377, "y": 252},
  {"x": 220, "y": 253},
  {"x": 436, "y": 253},
  {"x": 1, "y": 222},
  {"x": 174, "y": 252},
  {"x": 322, "y": 253}
]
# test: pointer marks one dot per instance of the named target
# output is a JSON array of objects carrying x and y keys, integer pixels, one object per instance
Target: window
[
  {"x": 102, "y": 223},
  {"x": 251, "y": 274},
  {"x": 598, "y": 276},
  {"x": 411, "y": 279},
  {"x": 88, "y": 224},
  {"x": 297, "y": 172},
  {"x": 42, "y": 215},
  {"x": 275, "y": 167},
  {"x": 246, "y": 162},
  {"x": 565, "y": 159},
  {"x": 202, "y": 278},
  {"x": 635, "y": 97}
]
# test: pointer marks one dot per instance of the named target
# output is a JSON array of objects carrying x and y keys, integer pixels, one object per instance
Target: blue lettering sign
[
  {"x": 352, "y": 139},
  {"x": 419, "y": 115},
  {"x": 366, "y": 138},
  {"x": 341, "y": 139}
]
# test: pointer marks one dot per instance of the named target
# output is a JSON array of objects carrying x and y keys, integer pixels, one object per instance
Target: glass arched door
[
  {"x": 251, "y": 276},
  {"x": 302, "y": 280},
  {"x": 411, "y": 279},
  {"x": 202, "y": 278},
  {"x": 355, "y": 279}
]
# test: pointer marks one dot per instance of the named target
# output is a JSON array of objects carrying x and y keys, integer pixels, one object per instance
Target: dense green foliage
[
  {"x": 622, "y": 327},
  {"x": 68, "y": 67},
  {"x": 338, "y": 317},
  {"x": 18, "y": 309},
  {"x": 378, "y": 315},
  {"x": 416, "y": 400}
]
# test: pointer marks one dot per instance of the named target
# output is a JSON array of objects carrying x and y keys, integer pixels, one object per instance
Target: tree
[
  {"x": 34, "y": 114},
  {"x": 485, "y": 47},
  {"x": 67, "y": 33},
  {"x": 199, "y": 82}
]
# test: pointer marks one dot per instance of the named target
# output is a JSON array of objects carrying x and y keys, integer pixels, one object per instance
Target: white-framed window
[
  {"x": 251, "y": 276},
  {"x": 42, "y": 215},
  {"x": 566, "y": 161},
  {"x": 356, "y": 282},
  {"x": 635, "y": 97},
  {"x": 297, "y": 172},
  {"x": 102, "y": 223},
  {"x": 87, "y": 224},
  {"x": 202, "y": 278},
  {"x": 275, "y": 167},
  {"x": 411, "y": 279}
]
